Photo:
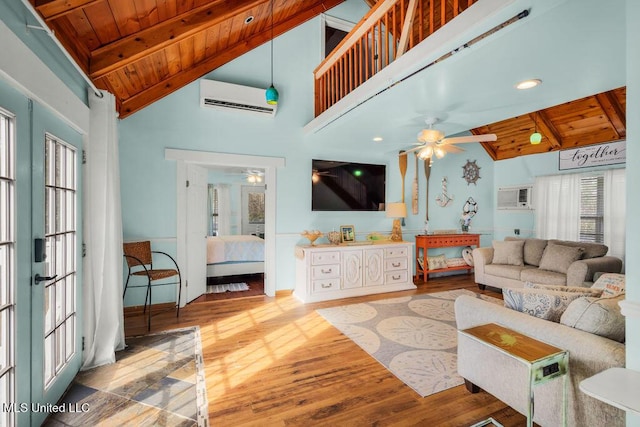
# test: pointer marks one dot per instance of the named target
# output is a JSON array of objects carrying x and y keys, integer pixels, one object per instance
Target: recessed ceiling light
[
  {"x": 528, "y": 84},
  {"x": 248, "y": 19},
  {"x": 377, "y": 138}
]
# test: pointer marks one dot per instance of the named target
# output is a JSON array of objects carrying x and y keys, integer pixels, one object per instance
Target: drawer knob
[
  {"x": 326, "y": 285},
  {"x": 326, "y": 271},
  {"x": 395, "y": 264},
  {"x": 396, "y": 277}
]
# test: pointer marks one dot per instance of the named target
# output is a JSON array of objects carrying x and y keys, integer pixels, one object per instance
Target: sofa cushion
[
  {"x": 561, "y": 288},
  {"x": 558, "y": 258},
  {"x": 508, "y": 252},
  {"x": 599, "y": 316},
  {"x": 533, "y": 249},
  {"x": 611, "y": 284},
  {"x": 545, "y": 277},
  {"x": 591, "y": 250},
  {"x": 436, "y": 261},
  {"x": 508, "y": 271},
  {"x": 548, "y": 305}
]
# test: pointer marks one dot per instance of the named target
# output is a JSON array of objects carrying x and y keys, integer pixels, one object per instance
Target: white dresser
[{"x": 325, "y": 272}]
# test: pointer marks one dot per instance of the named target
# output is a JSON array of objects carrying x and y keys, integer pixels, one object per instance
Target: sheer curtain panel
[
  {"x": 224, "y": 209},
  {"x": 102, "y": 292},
  {"x": 615, "y": 211},
  {"x": 557, "y": 205}
]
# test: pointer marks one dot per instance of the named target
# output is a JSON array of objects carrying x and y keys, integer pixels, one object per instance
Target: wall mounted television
[{"x": 347, "y": 186}]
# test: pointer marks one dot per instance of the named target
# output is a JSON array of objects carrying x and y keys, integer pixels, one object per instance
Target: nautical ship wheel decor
[{"x": 471, "y": 172}]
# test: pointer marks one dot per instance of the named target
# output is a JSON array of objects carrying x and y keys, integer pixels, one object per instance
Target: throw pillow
[
  {"x": 509, "y": 252},
  {"x": 533, "y": 249},
  {"x": 599, "y": 316},
  {"x": 548, "y": 305},
  {"x": 612, "y": 284},
  {"x": 558, "y": 258},
  {"x": 560, "y": 288},
  {"x": 436, "y": 261}
]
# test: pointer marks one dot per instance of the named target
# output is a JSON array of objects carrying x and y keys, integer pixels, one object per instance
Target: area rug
[
  {"x": 229, "y": 287},
  {"x": 157, "y": 380},
  {"x": 414, "y": 337}
]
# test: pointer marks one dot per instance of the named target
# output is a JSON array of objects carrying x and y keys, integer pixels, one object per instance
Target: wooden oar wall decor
[
  {"x": 402, "y": 159},
  {"x": 414, "y": 189},
  {"x": 427, "y": 172}
]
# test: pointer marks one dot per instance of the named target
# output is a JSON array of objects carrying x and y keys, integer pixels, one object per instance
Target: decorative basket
[{"x": 334, "y": 237}]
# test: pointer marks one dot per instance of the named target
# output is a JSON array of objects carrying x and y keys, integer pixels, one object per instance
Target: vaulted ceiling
[{"x": 143, "y": 50}]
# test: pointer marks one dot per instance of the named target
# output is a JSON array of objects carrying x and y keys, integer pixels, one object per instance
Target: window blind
[{"x": 592, "y": 209}]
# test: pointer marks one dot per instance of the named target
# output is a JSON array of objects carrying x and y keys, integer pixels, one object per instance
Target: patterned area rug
[
  {"x": 229, "y": 287},
  {"x": 157, "y": 380},
  {"x": 414, "y": 337}
]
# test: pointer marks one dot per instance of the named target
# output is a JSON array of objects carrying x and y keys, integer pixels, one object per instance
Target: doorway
[{"x": 195, "y": 280}]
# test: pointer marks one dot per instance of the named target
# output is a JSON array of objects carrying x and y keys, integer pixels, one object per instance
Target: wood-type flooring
[{"x": 273, "y": 361}]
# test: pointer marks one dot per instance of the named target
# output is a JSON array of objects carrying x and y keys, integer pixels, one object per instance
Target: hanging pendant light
[
  {"x": 272, "y": 94},
  {"x": 535, "y": 137}
]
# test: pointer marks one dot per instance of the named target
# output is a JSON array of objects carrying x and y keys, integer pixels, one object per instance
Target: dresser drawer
[
  {"x": 396, "y": 252},
  {"x": 326, "y": 285},
  {"x": 322, "y": 258},
  {"x": 325, "y": 271},
  {"x": 396, "y": 277},
  {"x": 395, "y": 264}
]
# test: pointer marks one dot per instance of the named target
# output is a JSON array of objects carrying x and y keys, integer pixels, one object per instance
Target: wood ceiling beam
[
  {"x": 407, "y": 28},
  {"x": 129, "y": 49},
  {"x": 488, "y": 147},
  {"x": 370, "y": 3},
  {"x": 614, "y": 111},
  {"x": 53, "y": 9},
  {"x": 167, "y": 86},
  {"x": 546, "y": 128}
]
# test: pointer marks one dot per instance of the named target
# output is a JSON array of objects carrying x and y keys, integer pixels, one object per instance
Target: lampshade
[
  {"x": 396, "y": 210},
  {"x": 439, "y": 152},
  {"x": 535, "y": 138},
  {"x": 425, "y": 152},
  {"x": 272, "y": 95}
]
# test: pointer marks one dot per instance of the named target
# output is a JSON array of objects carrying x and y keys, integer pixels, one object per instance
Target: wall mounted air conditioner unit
[
  {"x": 515, "y": 197},
  {"x": 232, "y": 97}
]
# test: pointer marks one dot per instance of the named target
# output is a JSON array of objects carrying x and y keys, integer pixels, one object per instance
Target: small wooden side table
[
  {"x": 545, "y": 362},
  {"x": 428, "y": 241}
]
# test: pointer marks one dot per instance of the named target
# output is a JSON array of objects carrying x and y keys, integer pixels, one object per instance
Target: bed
[{"x": 234, "y": 255}]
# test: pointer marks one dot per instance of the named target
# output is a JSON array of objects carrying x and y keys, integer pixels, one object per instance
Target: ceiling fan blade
[
  {"x": 452, "y": 148},
  {"x": 413, "y": 149},
  {"x": 490, "y": 137}
]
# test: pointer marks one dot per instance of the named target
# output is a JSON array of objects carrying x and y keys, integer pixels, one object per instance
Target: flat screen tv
[{"x": 347, "y": 186}]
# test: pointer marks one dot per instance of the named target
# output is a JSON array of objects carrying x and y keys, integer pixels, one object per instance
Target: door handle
[{"x": 38, "y": 278}]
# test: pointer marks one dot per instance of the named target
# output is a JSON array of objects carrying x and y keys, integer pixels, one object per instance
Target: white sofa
[
  {"x": 502, "y": 377},
  {"x": 542, "y": 261}
]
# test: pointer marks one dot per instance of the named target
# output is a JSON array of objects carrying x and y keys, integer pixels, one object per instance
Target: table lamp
[{"x": 396, "y": 211}]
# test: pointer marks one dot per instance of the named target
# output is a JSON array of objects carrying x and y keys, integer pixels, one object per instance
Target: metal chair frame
[{"x": 149, "y": 285}]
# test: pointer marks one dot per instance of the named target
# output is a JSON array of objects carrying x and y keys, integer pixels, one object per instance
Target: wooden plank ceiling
[
  {"x": 592, "y": 120},
  {"x": 143, "y": 50}
]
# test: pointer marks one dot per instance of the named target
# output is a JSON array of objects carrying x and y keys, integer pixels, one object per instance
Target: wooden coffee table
[{"x": 544, "y": 362}]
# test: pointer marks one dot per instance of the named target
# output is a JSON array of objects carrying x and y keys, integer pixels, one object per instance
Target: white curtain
[
  {"x": 615, "y": 211},
  {"x": 224, "y": 209},
  {"x": 557, "y": 205},
  {"x": 103, "y": 321}
]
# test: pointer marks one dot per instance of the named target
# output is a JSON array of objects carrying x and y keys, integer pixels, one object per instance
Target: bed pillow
[
  {"x": 561, "y": 288},
  {"x": 508, "y": 252},
  {"x": 548, "y": 305},
  {"x": 599, "y": 316},
  {"x": 611, "y": 284},
  {"x": 436, "y": 262},
  {"x": 558, "y": 258}
]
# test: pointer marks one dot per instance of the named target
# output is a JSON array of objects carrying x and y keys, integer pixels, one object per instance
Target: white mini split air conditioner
[
  {"x": 515, "y": 197},
  {"x": 232, "y": 97}
]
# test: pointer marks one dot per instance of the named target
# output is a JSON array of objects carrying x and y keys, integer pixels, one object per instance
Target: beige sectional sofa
[
  {"x": 515, "y": 261},
  {"x": 507, "y": 379}
]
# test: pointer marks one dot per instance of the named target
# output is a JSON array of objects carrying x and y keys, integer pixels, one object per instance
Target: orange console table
[{"x": 429, "y": 241}]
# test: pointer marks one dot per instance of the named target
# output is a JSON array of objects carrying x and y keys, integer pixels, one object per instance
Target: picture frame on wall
[{"x": 347, "y": 233}]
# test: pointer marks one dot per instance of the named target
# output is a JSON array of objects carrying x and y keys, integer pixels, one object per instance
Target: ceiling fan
[
  {"x": 254, "y": 176},
  {"x": 432, "y": 142}
]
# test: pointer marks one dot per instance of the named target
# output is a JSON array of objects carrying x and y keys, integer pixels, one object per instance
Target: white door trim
[{"x": 208, "y": 158}]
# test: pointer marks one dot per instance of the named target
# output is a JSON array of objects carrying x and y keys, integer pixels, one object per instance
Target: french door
[{"x": 40, "y": 341}]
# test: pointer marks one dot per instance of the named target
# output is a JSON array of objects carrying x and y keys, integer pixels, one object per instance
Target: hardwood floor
[{"x": 276, "y": 362}]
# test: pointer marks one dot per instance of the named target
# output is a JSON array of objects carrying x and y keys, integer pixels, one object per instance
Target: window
[
  {"x": 592, "y": 209},
  {"x": 334, "y": 30},
  {"x": 7, "y": 266}
]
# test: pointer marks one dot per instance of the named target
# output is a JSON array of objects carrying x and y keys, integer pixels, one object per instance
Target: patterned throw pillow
[
  {"x": 612, "y": 284},
  {"x": 561, "y": 288},
  {"x": 508, "y": 252},
  {"x": 436, "y": 262},
  {"x": 599, "y": 316},
  {"x": 548, "y": 305}
]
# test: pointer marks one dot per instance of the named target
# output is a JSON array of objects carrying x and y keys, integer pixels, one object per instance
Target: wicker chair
[{"x": 139, "y": 258}]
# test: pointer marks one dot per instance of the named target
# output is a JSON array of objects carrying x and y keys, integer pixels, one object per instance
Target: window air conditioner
[
  {"x": 228, "y": 96},
  {"x": 515, "y": 197}
]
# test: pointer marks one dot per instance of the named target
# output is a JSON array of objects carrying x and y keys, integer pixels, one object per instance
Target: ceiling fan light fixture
[
  {"x": 425, "y": 153},
  {"x": 535, "y": 138},
  {"x": 430, "y": 135},
  {"x": 439, "y": 152}
]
